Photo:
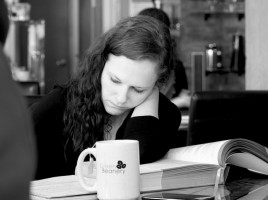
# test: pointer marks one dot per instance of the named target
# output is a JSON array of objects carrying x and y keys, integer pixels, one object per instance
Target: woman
[{"x": 115, "y": 95}]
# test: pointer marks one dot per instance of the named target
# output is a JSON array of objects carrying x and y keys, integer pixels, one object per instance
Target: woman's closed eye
[
  {"x": 117, "y": 81},
  {"x": 114, "y": 80},
  {"x": 137, "y": 90}
]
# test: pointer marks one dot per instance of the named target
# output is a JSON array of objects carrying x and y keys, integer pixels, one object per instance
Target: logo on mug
[
  {"x": 120, "y": 164},
  {"x": 119, "y": 168}
]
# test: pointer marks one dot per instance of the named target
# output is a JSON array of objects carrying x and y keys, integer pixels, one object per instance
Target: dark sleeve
[
  {"x": 155, "y": 136},
  {"x": 45, "y": 109},
  {"x": 180, "y": 78},
  {"x": 47, "y": 115},
  {"x": 17, "y": 144}
]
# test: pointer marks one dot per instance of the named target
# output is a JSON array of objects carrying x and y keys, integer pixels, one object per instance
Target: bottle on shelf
[{"x": 238, "y": 55}]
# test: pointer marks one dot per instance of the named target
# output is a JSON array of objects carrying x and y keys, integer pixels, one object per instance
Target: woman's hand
[
  {"x": 182, "y": 100},
  {"x": 149, "y": 106}
]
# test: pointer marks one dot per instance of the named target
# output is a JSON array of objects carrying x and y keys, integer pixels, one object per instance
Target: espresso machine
[{"x": 213, "y": 57}]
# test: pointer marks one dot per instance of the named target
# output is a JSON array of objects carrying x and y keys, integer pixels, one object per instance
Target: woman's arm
[{"x": 155, "y": 135}]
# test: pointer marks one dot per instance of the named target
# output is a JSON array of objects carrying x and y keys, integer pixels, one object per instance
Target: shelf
[
  {"x": 207, "y": 15},
  {"x": 223, "y": 71},
  {"x": 219, "y": 71}
]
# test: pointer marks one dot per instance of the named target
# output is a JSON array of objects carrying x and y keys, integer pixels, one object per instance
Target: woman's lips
[{"x": 116, "y": 106}]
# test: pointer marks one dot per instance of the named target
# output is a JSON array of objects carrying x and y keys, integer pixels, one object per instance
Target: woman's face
[{"x": 126, "y": 83}]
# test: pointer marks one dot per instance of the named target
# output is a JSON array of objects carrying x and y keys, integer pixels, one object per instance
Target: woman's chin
[{"x": 113, "y": 111}]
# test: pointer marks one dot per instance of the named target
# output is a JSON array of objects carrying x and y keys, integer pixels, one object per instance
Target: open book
[{"x": 184, "y": 167}]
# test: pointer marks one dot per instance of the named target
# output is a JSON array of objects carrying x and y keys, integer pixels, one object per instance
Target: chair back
[
  {"x": 31, "y": 99},
  {"x": 221, "y": 115},
  {"x": 29, "y": 87}
]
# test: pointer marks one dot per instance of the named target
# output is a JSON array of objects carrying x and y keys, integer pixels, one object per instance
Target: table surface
[{"x": 242, "y": 188}]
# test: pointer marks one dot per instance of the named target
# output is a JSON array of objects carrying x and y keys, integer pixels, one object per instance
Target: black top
[
  {"x": 180, "y": 78},
  {"x": 177, "y": 81},
  {"x": 155, "y": 136}
]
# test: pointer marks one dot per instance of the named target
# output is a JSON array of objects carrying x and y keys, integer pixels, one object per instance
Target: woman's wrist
[{"x": 149, "y": 106}]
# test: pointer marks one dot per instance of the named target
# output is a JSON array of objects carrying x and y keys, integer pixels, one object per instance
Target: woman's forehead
[{"x": 139, "y": 73}]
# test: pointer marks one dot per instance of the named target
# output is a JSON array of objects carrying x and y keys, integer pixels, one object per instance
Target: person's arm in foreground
[{"x": 17, "y": 145}]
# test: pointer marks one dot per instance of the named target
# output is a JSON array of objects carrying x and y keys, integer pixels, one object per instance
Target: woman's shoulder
[
  {"x": 57, "y": 94},
  {"x": 59, "y": 90},
  {"x": 164, "y": 101},
  {"x": 167, "y": 109},
  {"x": 56, "y": 97}
]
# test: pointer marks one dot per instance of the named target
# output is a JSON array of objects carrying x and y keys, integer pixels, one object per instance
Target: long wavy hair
[{"x": 136, "y": 38}]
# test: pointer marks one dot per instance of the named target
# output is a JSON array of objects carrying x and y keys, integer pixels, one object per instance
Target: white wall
[{"x": 256, "y": 44}]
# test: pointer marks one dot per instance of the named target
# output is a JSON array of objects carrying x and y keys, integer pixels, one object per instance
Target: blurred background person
[
  {"x": 176, "y": 88},
  {"x": 17, "y": 146}
]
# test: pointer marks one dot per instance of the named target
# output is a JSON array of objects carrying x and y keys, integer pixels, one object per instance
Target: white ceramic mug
[{"x": 117, "y": 166}]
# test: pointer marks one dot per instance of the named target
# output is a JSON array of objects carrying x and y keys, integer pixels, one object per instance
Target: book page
[
  {"x": 61, "y": 186},
  {"x": 259, "y": 193},
  {"x": 162, "y": 164},
  {"x": 248, "y": 161},
  {"x": 202, "y": 153}
]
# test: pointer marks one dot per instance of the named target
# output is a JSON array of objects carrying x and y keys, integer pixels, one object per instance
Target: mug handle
[{"x": 79, "y": 165}]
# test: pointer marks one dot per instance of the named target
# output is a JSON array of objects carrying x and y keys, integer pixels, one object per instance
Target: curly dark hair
[{"x": 137, "y": 38}]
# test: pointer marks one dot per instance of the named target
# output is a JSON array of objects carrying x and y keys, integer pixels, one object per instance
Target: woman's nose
[{"x": 122, "y": 96}]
